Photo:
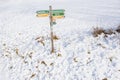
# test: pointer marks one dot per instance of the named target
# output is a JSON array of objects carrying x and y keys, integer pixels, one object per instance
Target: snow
[{"x": 78, "y": 56}]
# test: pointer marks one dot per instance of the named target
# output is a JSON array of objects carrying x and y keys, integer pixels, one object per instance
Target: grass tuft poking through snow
[
  {"x": 98, "y": 31},
  {"x": 118, "y": 29}
]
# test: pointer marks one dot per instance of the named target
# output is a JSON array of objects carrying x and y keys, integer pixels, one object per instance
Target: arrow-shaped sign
[{"x": 57, "y": 14}]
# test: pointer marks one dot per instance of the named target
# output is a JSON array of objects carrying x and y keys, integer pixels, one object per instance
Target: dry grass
[
  {"x": 55, "y": 37},
  {"x": 105, "y": 79},
  {"x": 118, "y": 29},
  {"x": 43, "y": 62},
  {"x": 40, "y": 40},
  {"x": 98, "y": 31}
]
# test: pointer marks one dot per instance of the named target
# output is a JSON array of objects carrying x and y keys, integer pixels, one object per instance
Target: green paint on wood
[
  {"x": 58, "y": 14},
  {"x": 43, "y": 12},
  {"x": 54, "y": 12}
]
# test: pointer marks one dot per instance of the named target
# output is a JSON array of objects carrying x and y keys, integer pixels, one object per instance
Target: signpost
[
  {"x": 53, "y": 15},
  {"x": 51, "y": 28}
]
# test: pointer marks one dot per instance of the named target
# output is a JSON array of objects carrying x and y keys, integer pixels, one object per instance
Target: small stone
[
  {"x": 4, "y": 44},
  {"x": 36, "y": 66},
  {"x": 111, "y": 59},
  {"x": 88, "y": 52},
  {"x": 105, "y": 79},
  {"x": 75, "y": 59},
  {"x": 11, "y": 67}
]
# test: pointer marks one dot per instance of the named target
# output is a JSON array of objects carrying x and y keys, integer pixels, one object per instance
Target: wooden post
[{"x": 51, "y": 29}]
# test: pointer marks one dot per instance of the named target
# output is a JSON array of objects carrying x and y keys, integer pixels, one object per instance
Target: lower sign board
[
  {"x": 58, "y": 17},
  {"x": 42, "y": 15}
]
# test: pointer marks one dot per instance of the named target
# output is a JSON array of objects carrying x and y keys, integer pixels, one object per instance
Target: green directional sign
[
  {"x": 43, "y": 12},
  {"x": 53, "y": 15},
  {"x": 57, "y": 12}
]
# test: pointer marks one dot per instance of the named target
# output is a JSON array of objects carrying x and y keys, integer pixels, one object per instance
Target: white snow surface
[{"x": 78, "y": 55}]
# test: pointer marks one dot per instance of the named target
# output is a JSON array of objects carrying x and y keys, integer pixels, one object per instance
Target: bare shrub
[
  {"x": 109, "y": 32},
  {"x": 55, "y": 37},
  {"x": 105, "y": 79},
  {"x": 40, "y": 40},
  {"x": 98, "y": 31},
  {"x": 118, "y": 29}
]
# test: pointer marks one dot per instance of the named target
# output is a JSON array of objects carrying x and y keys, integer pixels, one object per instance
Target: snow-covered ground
[{"x": 78, "y": 56}]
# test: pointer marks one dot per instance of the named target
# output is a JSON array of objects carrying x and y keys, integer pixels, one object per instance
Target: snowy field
[{"x": 79, "y": 55}]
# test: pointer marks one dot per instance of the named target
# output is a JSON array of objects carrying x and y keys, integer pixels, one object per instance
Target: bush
[
  {"x": 118, "y": 29},
  {"x": 98, "y": 31}
]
